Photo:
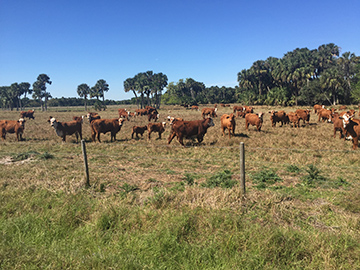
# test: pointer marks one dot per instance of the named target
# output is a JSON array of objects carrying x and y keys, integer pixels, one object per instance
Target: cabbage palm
[{"x": 83, "y": 90}]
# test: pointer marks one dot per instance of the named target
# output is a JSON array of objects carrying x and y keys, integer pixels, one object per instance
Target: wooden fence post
[
  {"x": 87, "y": 179},
  {"x": 242, "y": 167}
]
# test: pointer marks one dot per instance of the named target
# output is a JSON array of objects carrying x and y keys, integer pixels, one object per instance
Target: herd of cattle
[{"x": 344, "y": 122}]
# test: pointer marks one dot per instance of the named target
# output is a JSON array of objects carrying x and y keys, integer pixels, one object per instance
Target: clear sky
[{"x": 79, "y": 41}]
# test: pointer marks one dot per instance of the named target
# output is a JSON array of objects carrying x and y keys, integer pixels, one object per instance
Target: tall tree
[
  {"x": 83, "y": 90},
  {"x": 129, "y": 85},
  {"x": 39, "y": 90},
  {"x": 25, "y": 89}
]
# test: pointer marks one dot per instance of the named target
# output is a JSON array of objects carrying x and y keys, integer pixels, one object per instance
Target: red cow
[
  {"x": 154, "y": 116},
  {"x": 123, "y": 113},
  {"x": 228, "y": 122},
  {"x": 99, "y": 126},
  {"x": 254, "y": 120},
  {"x": 278, "y": 116},
  {"x": 141, "y": 112},
  {"x": 352, "y": 127},
  {"x": 194, "y": 107},
  {"x": 29, "y": 114},
  {"x": 293, "y": 118},
  {"x": 304, "y": 115},
  {"x": 156, "y": 127},
  {"x": 66, "y": 128},
  {"x": 92, "y": 116},
  {"x": 211, "y": 112},
  {"x": 190, "y": 129},
  {"x": 78, "y": 118},
  {"x": 172, "y": 119},
  {"x": 248, "y": 109},
  {"x": 318, "y": 107},
  {"x": 138, "y": 130},
  {"x": 237, "y": 108},
  {"x": 338, "y": 125},
  {"x": 324, "y": 115},
  {"x": 12, "y": 126}
]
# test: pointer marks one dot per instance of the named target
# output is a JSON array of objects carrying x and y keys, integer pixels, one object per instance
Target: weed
[
  {"x": 128, "y": 188},
  {"x": 313, "y": 176},
  {"x": 220, "y": 179},
  {"x": 293, "y": 169},
  {"x": 46, "y": 155},
  {"x": 189, "y": 179},
  {"x": 24, "y": 156},
  {"x": 265, "y": 177}
]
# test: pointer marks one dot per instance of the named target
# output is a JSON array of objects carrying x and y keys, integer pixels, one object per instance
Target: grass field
[{"x": 158, "y": 206}]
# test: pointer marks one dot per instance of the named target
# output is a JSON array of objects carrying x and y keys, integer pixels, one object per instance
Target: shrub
[
  {"x": 221, "y": 179},
  {"x": 265, "y": 176}
]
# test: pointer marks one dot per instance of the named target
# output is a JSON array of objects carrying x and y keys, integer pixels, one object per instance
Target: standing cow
[
  {"x": 228, "y": 122},
  {"x": 12, "y": 126},
  {"x": 66, "y": 128}
]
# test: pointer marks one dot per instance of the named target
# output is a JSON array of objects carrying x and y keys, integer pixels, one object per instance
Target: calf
[
  {"x": 190, "y": 129},
  {"x": 248, "y": 109},
  {"x": 78, "y": 118},
  {"x": 304, "y": 115},
  {"x": 278, "y": 116},
  {"x": 352, "y": 127},
  {"x": 318, "y": 107},
  {"x": 228, "y": 122},
  {"x": 211, "y": 112},
  {"x": 237, "y": 108},
  {"x": 99, "y": 126},
  {"x": 194, "y": 107},
  {"x": 156, "y": 127},
  {"x": 12, "y": 126},
  {"x": 324, "y": 115},
  {"x": 123, "y": 113},
  {"x": 141, "y": 112},
  {"x": 66, "y": 128},
  {"x": 254, "y": 120},
  {"x": 293, "y": 118},
  {"x": 338, "y": 125},
  {"x": 29, "y": 114},
  {"x": 138, "y": 130}
]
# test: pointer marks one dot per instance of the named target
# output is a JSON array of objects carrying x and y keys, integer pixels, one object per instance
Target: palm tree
[
  {"x": 129, "y": 85},
  {"x": 25, "y": 89},
  {"x": 332, "y": 84},
  {"x": 83, "y": 90},
  {"x": 39, "y": 89}
]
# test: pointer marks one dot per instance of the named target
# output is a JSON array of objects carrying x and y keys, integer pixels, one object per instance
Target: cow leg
[
  {"x": 159, "y": 135},
  {"x": 64, "y": 138},
  {"x": 77, "y": 137},
  {"x": 93, "y": 136},
  {"x": 98, "y": 137},
  {"x": 355, "y": 143},
  {"x": 171, "y": 137},
  {"x": 149, "y": 134}
]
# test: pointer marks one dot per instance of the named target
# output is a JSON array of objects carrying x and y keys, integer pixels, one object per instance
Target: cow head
[
  {"x": 210, "y": 122},
  {"x": 22, "y": 121},
  {"x": 53, "y": 122},
  {"x": 261, "y": 114},
  {"x": 121, "y": 120},
  {"x": 164, "y": 124}
]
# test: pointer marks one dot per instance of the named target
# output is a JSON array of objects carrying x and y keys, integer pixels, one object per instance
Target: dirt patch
[{"x": 10, "y": 161}]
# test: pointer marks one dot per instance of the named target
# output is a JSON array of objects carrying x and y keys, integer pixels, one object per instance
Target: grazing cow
[
  {"x": 156, "y": 127},
  {"x": 138, "y": 130},
  {"x": 190, "y": 129},
  {"x": 222, "y": 105},
  {"x": 154, "y": 116},
  {"x": 324, "y": 115},
  {"x": 237, "y": 108},
  {"x": 278, "y": 116},
  {"x": 141, "y": 112},
  {"x": 228, "y": 122},
  {"x": 241, "y": 114},
  {"x": 254, "y": 120},
  {"x": 293, "y": 118},
  {"x": 194, "y": 107},
  {"x": 29, "y": 114},
  {"x": 12, "y": 126},
  {"x": 99, "y": 126},
  {"x": 78, "y": 118},
  {"x": 151, "y": 110},
  {"x": 352, "y": 127},
  {"x": 66, "y": 128},
  {"x": 92, "y": 116},
  {"x": 211, "y": 112},
  {"x": 342, "y": 107},
  {"x": 304, "y": 115},
  {"x": 318, "y": 107}
]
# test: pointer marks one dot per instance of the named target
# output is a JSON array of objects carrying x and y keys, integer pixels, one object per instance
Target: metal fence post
[
  {"x": 87, "y": 179},
  {"x": 242, "y": 167}
]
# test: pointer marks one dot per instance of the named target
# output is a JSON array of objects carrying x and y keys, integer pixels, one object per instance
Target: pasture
[{"x": 154, "y": 206}]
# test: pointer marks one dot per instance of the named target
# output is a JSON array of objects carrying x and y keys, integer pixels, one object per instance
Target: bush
[{"x": 221, "y": 179}]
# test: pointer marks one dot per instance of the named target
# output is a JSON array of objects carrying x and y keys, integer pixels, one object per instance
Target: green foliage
[
  {"x": 45, "y": 156},
  {"x": 24, "y": 156},
  {"x": 293, "y": 169},
  {"x": 265, "y": 177},
  {"x": 189, "y": 178},
  {"x": 128, "y": 188},
  {"x": 221, "y": 179},
  {"x": 313, "y": 176}
]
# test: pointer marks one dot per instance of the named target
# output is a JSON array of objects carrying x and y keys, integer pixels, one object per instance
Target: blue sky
[{"x": 76, "y": 42}]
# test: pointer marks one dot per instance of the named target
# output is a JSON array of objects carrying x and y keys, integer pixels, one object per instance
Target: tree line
[{"x": 300, "y": 77}]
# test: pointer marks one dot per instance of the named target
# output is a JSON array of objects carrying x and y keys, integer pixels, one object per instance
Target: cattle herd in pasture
[{"x": 343, "y": 122}]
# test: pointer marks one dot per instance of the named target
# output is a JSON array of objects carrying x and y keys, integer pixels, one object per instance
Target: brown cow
[
  {"x": 138, "y": 130},
  {"x": 352, "y": 127},
  {"x": 172, "y": 119},
  {"x": 141, "y": 112},
  {"x": 278, "y": 116},
  {"x": 338, "y": 125},
  {"x": 194, "y": 107},
  {"x": 151, "y": 110},
  {"x": 293, "y": 118},
  {"x": 342, "y": 107},
  {"x": 324, "y": 115},
  {"x": 211, "y": 112},
  {"x": 318, "y": 107},
  {"x": 12, "y": 126},
  {"x": 153, "y": 116},
  {"x": 66, "y": 128},
  {"x": 29, "y": 114},
  {"x": 248, "y": 109},
  {"x": 228, "y": 122},
  {"x": 237, "y": 108},
  {"x": 190, "y": 129},
  {"x": 78, "y": 118},
  {"x": 123, "y": 113},
  {"x": 254, "y": 120},
  {"x": 92, "y": 116},
  {"x": 304, "y": 115},
  {"x": 156, "y": 127},
  {"x": 99, "y": 126}
]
